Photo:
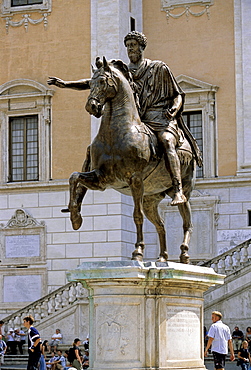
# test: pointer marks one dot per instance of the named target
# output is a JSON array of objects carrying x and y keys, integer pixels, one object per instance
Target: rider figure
[{"x": 160, "y": 101}]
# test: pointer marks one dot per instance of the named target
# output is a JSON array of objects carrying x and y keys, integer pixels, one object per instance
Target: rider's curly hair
[{"x": 140, "y": 37}]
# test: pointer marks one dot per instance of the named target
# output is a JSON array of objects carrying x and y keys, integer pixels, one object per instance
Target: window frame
[
  {"x": 38, "y": 2},
  {"x": 7, "y": 8},
  {"x": 24, "y": 152},
  {"x": 188, "y": 114},
  {"x": 23, "y": 98},
  {"x": 201, "y": 96}
]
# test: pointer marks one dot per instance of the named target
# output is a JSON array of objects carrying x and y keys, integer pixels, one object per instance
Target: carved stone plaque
[
  {"x": 22, "y": 288},
  {"x": 22, "y": 240},
  {"x": 22, "y": 246}
]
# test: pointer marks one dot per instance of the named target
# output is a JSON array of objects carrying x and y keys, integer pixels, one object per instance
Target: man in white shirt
[
  {"x": 56, "y": 340},
  {"x": 219, "y": 337}
]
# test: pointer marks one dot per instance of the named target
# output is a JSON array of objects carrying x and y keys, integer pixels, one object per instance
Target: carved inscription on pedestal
[{"x": 183, "y": 329}]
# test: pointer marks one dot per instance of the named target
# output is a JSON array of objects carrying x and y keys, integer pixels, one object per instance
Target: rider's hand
[{"x": 56, "y": 81}]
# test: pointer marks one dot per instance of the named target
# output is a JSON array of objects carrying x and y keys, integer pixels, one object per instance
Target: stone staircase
[
  {"x": 56, "y": 310},
  {"x": 232, "y": 260},
  {"x": 233, "y": 298},
  {"x": 14, "y": 362}
]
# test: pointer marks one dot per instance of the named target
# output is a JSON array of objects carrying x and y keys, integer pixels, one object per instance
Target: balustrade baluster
[
  {"x": 11, "y": 323},
  {"x": 245, "y": 252},
  {"x": 80, "y": 291},
  {"x": 230, "y": 263},
  {"x": 238, "y": 258},
  {"x": 37, "y": 313},
  {"x": 72, "y": 293},
  {"x": 51, "y": 305},
  {"x": 216, "y": 266},
  {"x": 223, "y": 265},
  {"x": 5, "y": 328},
  {"x": 44, "y": 308},
  {"x": 58, "y": 301},
  {"x": 65, "y": 297},
  {"x": 31, "y": 312},
  {"x": 17, "y": 321}
]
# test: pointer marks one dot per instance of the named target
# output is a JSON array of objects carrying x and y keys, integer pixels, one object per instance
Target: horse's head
[{"x": 103, "y": 87}]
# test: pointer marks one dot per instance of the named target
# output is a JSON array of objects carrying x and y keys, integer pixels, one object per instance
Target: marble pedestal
[{"x": 145, "y": 315}]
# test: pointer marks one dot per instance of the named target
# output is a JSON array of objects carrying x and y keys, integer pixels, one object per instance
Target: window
[
  {"x": 25, "y": 2},
  {"x": 25, "y": 131},
  {"x": 249, "y": 218},
  {"x": 23, "y": 153},
  {"x": 200, "y": 114},
  {"x": 132, "y": 24},
  {"x": 194, "y": 123}
]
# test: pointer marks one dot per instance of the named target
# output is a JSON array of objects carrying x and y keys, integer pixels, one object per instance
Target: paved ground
[
  {"x": 229, "y": 365},
  {"x": 209, "y": 366}
]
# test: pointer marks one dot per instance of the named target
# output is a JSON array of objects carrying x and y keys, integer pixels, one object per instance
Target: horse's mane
[{"x": 122, "y": 67}]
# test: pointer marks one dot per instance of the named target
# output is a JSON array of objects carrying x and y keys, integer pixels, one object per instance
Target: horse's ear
[
  {"x": 99, "y": 62},
  {"x": 105, "y": 64}
]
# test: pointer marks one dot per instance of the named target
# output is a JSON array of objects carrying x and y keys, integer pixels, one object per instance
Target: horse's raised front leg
[
  {"x": 73, "y": 206},
  {"x": 88, "y": 180},
  {"x": 137, "y": 190},
  {"x": 150, "y": 207},
  {"x": 81, "y": 189},
  {"x": 185, "y": 211}
]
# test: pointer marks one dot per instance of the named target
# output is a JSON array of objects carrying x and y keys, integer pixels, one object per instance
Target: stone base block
[{"x": 145, "y": 315}]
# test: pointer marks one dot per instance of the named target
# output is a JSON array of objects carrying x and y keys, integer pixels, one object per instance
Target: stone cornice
[{"x": 57, "y": 185}]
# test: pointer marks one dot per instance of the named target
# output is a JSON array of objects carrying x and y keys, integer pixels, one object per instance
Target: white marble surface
[{"x": 142, "y": 314}]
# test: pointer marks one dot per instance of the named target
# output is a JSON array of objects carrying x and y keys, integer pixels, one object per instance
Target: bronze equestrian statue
[{"x": 143, "y": 147}]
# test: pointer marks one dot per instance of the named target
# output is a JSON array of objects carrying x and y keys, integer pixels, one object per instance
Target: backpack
[{"x": 71, "y": 355}]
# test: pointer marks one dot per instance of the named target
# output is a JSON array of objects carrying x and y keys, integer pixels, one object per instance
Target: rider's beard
[{"x": 134, "y": 56}]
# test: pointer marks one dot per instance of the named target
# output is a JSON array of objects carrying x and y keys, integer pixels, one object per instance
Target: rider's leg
[{"x": 172, "y": 161}]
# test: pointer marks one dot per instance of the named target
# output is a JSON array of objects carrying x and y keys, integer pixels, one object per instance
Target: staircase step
[{"x": 14, "y": 367}]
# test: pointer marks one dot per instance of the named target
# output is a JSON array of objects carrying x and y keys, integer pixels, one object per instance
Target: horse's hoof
[
  {"x": 163, "y": 257},
  {"x": 184, "y": 256},
  {"x": 76, "y": 221},
  {"x": 137, "y": 257}
]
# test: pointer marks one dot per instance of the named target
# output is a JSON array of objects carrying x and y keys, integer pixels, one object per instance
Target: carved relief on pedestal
[{"x": 118, "y": 333}]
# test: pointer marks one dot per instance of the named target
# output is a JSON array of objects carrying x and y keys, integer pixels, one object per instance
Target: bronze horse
[{"x": 125, "y": 156}]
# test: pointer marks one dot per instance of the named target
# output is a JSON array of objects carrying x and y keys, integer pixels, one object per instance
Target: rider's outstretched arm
[
  {"x": 78, "y": 85},
  {"x": 83, "y": 84}
]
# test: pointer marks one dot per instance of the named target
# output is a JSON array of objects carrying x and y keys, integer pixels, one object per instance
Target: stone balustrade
[
  {"x": 47, "y": 305},
  {"x": 232, "y": 260}
]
